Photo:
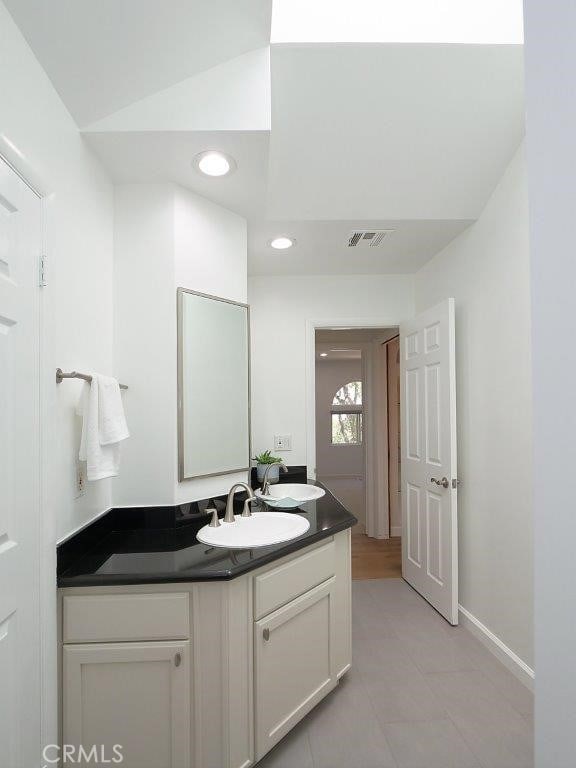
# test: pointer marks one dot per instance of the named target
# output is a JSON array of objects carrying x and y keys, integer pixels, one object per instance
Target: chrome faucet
[
  {"x": 229, "y": 516},
  {"x": 265, "y": 481}
]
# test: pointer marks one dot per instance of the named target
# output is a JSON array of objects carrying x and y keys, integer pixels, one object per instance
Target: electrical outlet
[
  {"x": 80, "y": 479},
  {"x": 282, "y": 442}
]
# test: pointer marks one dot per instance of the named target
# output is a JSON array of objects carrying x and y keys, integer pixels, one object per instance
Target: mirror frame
[{"x": 180, "y": 292}]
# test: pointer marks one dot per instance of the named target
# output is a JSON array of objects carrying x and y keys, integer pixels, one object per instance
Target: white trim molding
[
  {"x": 496, "y": 646},
  {"x": 396, "y": 530}
]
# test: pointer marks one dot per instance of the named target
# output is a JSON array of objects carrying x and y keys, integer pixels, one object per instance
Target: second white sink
[
  {"x": 290, "y": 495},
  {"x": 259, "y": 530}
]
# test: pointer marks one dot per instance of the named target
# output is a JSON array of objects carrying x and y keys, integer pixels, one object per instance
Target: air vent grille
[{"x": 368, "y": 238}]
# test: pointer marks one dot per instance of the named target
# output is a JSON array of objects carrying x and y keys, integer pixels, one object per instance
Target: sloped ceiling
[
  {"x": 102, "y": 55},
  {"x": 327, "y": 137},
  {"x": 391, "y": 131}
]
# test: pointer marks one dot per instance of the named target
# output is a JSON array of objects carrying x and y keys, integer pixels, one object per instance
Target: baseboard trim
[
  {"x": 396, "y": 530},
  {"x": 493, "y": 643}
]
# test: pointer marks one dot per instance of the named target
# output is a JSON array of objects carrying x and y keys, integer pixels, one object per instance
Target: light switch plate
[{"x": 282, "y": 442}]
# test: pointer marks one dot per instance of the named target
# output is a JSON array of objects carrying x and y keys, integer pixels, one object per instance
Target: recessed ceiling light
[
  {"x": 282, "y": 242},
  {"x": 323, "y": 354},
  {"x": 214, "y": 163}
]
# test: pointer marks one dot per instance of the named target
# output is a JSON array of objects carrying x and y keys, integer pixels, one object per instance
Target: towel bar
[{"x": 60, "y": 376}]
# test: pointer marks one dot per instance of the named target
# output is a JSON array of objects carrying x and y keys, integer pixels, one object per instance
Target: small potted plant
[{"x": 263, "y": 460}]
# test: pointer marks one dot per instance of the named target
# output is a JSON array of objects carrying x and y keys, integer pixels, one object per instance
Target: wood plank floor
[{"x": 376, "y": 558}]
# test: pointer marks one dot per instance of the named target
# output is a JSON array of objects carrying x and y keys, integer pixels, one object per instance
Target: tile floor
[{"x": 420, "y": 694}]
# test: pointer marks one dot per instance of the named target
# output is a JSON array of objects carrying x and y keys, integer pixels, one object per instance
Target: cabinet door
[
  {"x": 294, "y": 663},
  {"x": 136, "y": 695}
]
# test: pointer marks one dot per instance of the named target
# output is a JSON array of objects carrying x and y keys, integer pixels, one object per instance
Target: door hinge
[{"x": 42, "y": 269}]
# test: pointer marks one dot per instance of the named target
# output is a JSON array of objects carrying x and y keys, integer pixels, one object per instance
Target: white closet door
[
  {"x": 429, "y": 479},
  {"x": 20, "y": 241}
]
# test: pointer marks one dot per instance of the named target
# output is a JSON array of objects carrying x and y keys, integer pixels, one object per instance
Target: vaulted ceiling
[
  {"x": 102, "y": 55},
  {"x": 327, "y": 137}
]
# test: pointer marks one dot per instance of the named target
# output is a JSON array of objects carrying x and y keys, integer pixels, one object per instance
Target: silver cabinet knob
[
  {"x": 177, "y": 659},
  {"x": 266, "y": 634},
  {"x": 445, "y": 483}
]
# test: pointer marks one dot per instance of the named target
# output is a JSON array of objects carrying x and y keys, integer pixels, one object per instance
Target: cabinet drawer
[
  {"x": 105, "y": 618},
  {"x": 282, "y": 584}
]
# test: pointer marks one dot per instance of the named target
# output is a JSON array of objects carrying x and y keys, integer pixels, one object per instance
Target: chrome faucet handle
[
  {"x": 247, "y": 512},
  {"x": 215, "y": 522}
]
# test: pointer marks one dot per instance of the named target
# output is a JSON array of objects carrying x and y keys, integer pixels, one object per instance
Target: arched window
[{"x": 346, "y": 414}]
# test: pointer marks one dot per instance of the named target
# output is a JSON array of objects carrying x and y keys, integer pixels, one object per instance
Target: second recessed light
[
  {"x": 214, "y": 163},
  {"x": 282, "y": 242}
]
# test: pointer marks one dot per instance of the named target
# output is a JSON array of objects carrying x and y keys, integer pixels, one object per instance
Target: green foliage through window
[
  {"x": 347, "y": 415},
  {"x": 349, "y": 394},
  {"x": 346, "y": 429}
]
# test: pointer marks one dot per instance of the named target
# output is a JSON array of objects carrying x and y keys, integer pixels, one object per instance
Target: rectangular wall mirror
[{"x": 213, "y": 385}]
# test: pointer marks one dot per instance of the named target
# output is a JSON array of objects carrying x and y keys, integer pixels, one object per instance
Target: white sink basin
[
  {"x": 290, "y": 495},
  {"x": 259, "y": 530}
]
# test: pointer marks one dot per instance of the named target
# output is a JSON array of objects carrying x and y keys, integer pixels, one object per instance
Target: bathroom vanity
[{"x": 196, "y": 657}]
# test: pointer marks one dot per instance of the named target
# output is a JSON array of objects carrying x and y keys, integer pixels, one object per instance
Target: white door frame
[
  {"x": 16, "y": 160},
  {"x": 372, "y": 524}
]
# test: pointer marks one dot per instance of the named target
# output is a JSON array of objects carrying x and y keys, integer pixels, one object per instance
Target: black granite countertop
[{"x": 151, "y": 546}]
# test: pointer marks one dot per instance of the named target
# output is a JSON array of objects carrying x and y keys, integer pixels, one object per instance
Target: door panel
[
  {"x": 294, "y": 663},
  {"x": 20, "y": 240},
  {"x": 412, "y": 529},
  {"x": 136, "y": 695},
  {"x": 429, "y": 471}
]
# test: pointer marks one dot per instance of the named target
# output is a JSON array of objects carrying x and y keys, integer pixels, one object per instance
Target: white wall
[
  {"x": 551, "y": 128},
  {"x": 211, "y": 256},
  {"x": 210, "y": 247},
  {"x": 280, "y": 308},
  {"x": 40, "y": 138},
  {"x": 166, "y": 237},
  {"x": 486, "y": 269},
  {"x": 145, "y": 340},
  {"x": 78, "y": 298}
]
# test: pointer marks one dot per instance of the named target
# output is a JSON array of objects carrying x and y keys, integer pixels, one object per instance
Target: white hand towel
[
  {"x": 111, "y": 420},
  {"x": 103, "y": 427}
]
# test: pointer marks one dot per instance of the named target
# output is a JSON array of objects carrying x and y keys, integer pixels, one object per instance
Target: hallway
[
  {"x": 420, "y": 694},
  {"x": 376, "y": 558}
]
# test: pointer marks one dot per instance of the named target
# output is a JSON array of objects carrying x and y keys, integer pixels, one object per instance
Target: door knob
[{"x": 444, "y": 482}]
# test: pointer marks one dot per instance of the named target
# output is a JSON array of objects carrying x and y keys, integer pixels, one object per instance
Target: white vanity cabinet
[{"x": 207, "y": 674}]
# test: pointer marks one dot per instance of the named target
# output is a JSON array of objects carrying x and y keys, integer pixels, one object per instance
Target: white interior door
[
  {"x": 429, "y": 479},
  {"x": 20, "y": 241}
]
